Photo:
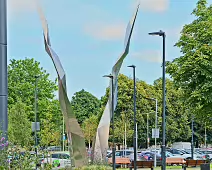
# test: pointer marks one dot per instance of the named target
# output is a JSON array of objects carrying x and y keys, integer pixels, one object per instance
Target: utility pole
[
  {"x": 147, "y": 130},
  {"x": 134, "y": 119},
  {"x": 36, "y": 98},
  {"x": 163, "y": 147},
  {"x": 205, "y": 136},
  {"x": 3, "y": 70},
  {"x": 192, "y": 137},
  {"x": 63, "y": 135}
]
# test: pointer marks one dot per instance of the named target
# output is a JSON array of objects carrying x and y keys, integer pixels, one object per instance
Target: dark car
[{"x": 151, "y": 156}]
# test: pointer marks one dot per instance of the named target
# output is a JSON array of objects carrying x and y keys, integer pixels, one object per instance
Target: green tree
[
  {"x": 21, "y": 84},
  {"x": 84, "y": 105},
  {"x": 177, "y": 118},
  {"x": 120, "y": 125},
  {"x": 51, "y": 131},
  {"x": 50, "y": 135},
  {"x": 193, "y": 69},
  {"x": 19, "y": 129},
  {"x": 89, "y": 127},
  {"x": 125, "y": 105}
]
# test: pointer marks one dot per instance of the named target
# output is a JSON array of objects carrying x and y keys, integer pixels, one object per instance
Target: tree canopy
[
  {"x": 21, "y": 99},
  {"x": 192, "y": 71},
  {"x": 85, "y": 105}
]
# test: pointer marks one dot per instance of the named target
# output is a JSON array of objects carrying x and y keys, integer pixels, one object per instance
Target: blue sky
[{"x": 88, "y": 36}]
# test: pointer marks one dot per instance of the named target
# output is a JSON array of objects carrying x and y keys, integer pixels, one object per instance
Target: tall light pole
[
  {"x": 112, "y": 113},
  {"x": 156, "y": 124},
  {"x": 135, "y": 121},
  {"x": 3, "y": 66},
  {"x": 192, "y": 137},
  {"x": 163, "y": 147},
  {"x": 205, "y": 136},
  {"x": 36, "y": 98},
  {"x": 63, "y": 135},
  {"x": 147, "y": 130}
]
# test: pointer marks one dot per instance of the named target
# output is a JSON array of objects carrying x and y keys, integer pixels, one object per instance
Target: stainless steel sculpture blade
[
  {"x": 102, "y": 134},
  {"x": 74, "y": 133}
]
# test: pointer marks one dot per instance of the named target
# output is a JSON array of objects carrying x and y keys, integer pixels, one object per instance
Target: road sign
[
  {"x": 64, "y": 137},
  {"x": 33, "y": 126},
  {"x": 155, "y": 133}
]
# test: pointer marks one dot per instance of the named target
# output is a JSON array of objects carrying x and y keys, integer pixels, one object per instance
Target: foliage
[
  {"x": 21, "y": 84},
  {"x": 84, "y": 105},
  {"x": 19, "y": 130},
  {"x": 3, "y": 152},
  {"x": 12, "y": 156},
  {"x": 119, "y": 127},
  {"x": 50, "y": 135},
  {"x": 51, "y": 131},
  {"x": 177, "y": 116},
  {"x": 89, "y": 128},
  {"x": 193, "y": 69},
  {"x": 177, "y": 119}
]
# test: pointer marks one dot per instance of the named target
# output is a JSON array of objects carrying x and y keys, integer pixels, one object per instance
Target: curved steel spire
[
  {"x": 75, "y": 136},
  {"x": 102, "y": 134}
]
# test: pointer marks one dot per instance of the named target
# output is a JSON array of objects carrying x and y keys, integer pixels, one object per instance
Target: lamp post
[
  {"x": 3, "y": 70},
  {"x": 205, "y": 136},
  {"x": 36, "y": 98},
  {"x": 135, "y": 121},
  {"x": 112, "y": 113},
  {"x": 192, "y": 137},
  {"x": 163, "y": 167},
  {"x": 156, "y": 124}
]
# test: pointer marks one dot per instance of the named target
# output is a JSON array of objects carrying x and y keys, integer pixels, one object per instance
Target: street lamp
[
  {"x": 36, "y": 141},
  {"x": 135, "y": 121},
  {"x": 205, "y": 135},
  {"x": 112, "y": 110},
  {"x": 156, "y": 123},
  {"x": 192, "y": 137},
  {"x": 3, "y": 70},
  {"x": 163, "y": 155}
]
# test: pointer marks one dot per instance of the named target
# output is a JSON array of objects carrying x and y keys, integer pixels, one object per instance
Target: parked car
[
  {"x": 54, "y": 148},
  {"x": 151, "y": 156},
  {"x": 58, "y": 159},
  {"x": 207, "y": 152},
  {"x": 121, "y": 153}
]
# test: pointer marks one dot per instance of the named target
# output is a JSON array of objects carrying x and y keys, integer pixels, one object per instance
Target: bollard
[{"x": 205, "y": 166}]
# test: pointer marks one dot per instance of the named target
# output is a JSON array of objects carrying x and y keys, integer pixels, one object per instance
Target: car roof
[{"x": 61, "y": 152}]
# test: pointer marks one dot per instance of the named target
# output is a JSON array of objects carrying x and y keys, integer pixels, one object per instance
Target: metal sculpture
[
  {"x": 102, "y": 134},
  {"x": 75, "y": 136}
]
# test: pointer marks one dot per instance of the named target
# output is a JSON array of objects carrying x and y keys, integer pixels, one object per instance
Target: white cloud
[
  {"x": 149, "y": 55},
  {"x": 154, "y": 5},
  {"x": 104, "y": 31},
  {"x": 21, "y": 6}
]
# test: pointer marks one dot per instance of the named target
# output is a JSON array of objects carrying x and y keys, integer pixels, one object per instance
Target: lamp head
[
  {"x": 160, "y": 33},
  {"x": 133, "y": 66},
  {"x": 109, "y": 76}
]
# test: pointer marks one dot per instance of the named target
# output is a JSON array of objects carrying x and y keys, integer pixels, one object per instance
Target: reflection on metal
[
  {"x": 75, "y": 136},
  {"x": 102, "y": 134}
]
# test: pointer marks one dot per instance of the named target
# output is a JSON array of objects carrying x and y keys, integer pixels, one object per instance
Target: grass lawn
[{"x": 168, "y": 167}]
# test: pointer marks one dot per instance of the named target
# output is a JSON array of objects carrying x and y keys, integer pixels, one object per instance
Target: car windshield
[{"x": 169, "y": 153}]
